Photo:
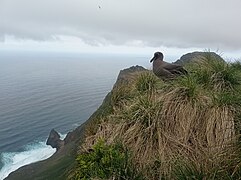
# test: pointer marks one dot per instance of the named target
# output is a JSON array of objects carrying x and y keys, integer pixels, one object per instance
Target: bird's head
[{"x": 157, "y": 55}]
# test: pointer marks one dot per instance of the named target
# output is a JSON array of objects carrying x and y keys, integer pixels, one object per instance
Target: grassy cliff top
[{"x": 186, "y": 128}]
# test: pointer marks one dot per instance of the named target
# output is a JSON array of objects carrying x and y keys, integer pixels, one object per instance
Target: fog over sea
[{"x": 41, "y": 91}]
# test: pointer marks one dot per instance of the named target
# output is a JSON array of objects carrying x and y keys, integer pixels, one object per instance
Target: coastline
[{"x": 65, "y": 158}]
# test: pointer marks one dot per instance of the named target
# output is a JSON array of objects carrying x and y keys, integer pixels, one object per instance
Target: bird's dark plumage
[{"x": 164, "y": 69}]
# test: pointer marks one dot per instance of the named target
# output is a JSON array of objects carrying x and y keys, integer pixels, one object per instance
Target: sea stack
[{"x": 54, "y": 140}]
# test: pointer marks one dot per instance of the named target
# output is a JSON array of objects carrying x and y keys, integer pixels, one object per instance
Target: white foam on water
[
  {"x": 62, "y": 136},
  {"x": 32, "y": 153}
]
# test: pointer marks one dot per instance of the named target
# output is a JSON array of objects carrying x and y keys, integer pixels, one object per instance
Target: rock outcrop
[
  {"x": 54, "y": 140},
  {"x": 191, "y": 57},
  {"x": 124, "y": 75}
]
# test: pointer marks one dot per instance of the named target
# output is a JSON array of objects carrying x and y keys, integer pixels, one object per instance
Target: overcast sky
[{"x": 121, "y": 25}]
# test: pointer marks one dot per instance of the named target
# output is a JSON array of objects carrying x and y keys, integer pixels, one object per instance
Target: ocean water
[{"x": 41, "y": 91}]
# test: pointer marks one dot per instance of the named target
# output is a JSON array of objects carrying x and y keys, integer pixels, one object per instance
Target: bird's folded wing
[
  {"x": 169, "y": 66},
  {"x": 178, "y": 70},
  {"x": 161, "y": 72}
]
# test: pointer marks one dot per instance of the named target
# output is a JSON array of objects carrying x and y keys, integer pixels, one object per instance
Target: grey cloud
[{"x": 186, "y": 23}]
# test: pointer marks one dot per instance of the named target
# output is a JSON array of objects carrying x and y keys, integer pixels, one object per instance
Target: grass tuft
[
  {"x": 187, "y": 171},
  {"x": 188, "y": 87},
  {"x": 120, "y": 94},
  {"x": 106, "y": 162},
  {"x": 216, "y": 74},
  {"x": 146, "y": 82}
]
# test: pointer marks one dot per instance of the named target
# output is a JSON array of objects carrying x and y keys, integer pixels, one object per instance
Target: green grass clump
[
  {"x": 187, "y": 171},
  {"x": 187, "y": 87},
  {"x": 227, "y": 99},
  {"x": 144, "y": 110},
  {"x": 120, "y": 94},
  {"x": 216, "y": 74},
  {"x": 236, "y": 65},
  {"x": 146, "y": 82},
  {"x": 106, "y": 162}
]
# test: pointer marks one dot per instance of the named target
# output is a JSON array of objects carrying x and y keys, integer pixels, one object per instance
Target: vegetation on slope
[
  {"x": 105, "y": 162},
  {"x": 187, "y": 128}
]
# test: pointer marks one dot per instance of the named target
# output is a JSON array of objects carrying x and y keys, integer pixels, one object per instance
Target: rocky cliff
[{"x": 58, "y": 166}]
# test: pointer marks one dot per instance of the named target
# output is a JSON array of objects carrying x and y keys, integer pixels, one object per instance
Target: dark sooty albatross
[{"x": 164, "y": 69}]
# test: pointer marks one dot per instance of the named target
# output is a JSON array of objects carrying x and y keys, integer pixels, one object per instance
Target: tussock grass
[
  {"x": 186, "y": 87},
  {"x": 106, "y": 162},
  {"x": 120, "y": 94},
  {"x": 146, "y": 82},
  {"x": 236, "y": 65},
  {"x": 223, "y": 164},
  {"x": 187, "y": 128},
  {"x": 184, "y": 170},
  {"x": 220, "y": 126},
  {"x": 216, "y": 74}
]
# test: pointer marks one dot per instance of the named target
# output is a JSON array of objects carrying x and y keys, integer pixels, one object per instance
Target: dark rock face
[
  {"x": 124, "y": 75},
  {"x": 190, "y": 57},
  {"x": 54, "y": 140}
]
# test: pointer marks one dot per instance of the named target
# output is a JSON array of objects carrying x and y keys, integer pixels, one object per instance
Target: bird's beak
[{"x": 152, "y": 59}]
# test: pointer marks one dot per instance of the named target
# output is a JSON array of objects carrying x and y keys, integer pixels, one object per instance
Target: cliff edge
[
  {"x": 59, "y": 165},
  {"x": 185, "y": 128}
]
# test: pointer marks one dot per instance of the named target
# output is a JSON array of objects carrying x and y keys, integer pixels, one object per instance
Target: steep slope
[
  {"x": 59, "y": 165},
  {"x": 186, "y": 128}
]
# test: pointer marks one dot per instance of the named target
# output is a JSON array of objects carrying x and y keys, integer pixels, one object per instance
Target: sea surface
[{"x": 40, "y": 91}]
